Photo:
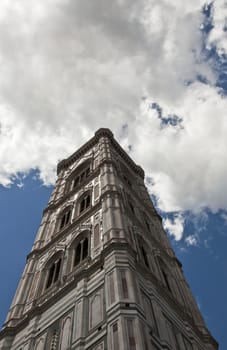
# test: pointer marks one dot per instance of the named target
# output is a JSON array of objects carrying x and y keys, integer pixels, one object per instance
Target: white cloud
[
  {"x": 69, "y": 67},
  {"x": 175, "y": 227},
  {"x": 218, "y": 34},
  {"x": 191, "y": 240}
]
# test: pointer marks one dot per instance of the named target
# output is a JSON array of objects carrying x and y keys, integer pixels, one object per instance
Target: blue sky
[{"x": 155, "y": 73}]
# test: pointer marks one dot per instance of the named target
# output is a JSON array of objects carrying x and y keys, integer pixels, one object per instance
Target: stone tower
[{"x": 102, "y": 274}]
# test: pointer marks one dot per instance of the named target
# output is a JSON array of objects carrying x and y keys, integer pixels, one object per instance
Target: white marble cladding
[{"x": 102, "y": 274}]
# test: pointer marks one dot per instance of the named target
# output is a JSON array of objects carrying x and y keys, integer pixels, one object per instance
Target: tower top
[{"x": 102, "y": 132}]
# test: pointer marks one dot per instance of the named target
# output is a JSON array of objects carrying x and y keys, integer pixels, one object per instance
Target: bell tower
[{"x": 102, "y": 274}]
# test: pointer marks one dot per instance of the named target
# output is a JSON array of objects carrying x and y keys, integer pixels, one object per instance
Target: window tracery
[
  {"x": 53, "y": 272},
  {"x": 65, "y": 217},
  {"x": 79, "y": 175}
]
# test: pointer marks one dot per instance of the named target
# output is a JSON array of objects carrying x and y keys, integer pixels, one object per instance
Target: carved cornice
[{"x": 103, "y": 132}]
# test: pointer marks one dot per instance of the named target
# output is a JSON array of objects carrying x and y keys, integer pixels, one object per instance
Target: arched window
[
  {"x": 53, "y": 273},
  {"x": 85, "y": 248},
  {"x": 77, "y": 256},
  {"x": 79, "y": 178},
  {"x": 84, "y": 202},
  {"x": 79, "y": 175},
  {"x": 80, "y": 251},
  {"x": 65, "y": 217}
]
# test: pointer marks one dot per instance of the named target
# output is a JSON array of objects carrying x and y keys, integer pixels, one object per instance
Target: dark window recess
[
  {"x": 53, "y": 274},
  {"x": 131, "y": 208},
  {"x": 76, "y": 182},
  {"x": 81, "y": 177},
  {"x": 50, "y": 276},
  {"x": 144, "y": 255},
  {"x": 166, "y": 280},
  {"x": 85, "y": 203},
  {"x": 148, "y": 226},
  {"x": 77, "y": 254},
  {"x": 85, "y": 248},
  {"x": 57, "y": 270},
  {"x": 65, "y": 219},
  {"x": 81, "y": 251}
]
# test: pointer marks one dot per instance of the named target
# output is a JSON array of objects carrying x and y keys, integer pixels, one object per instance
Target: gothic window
[
  {"x": 53, "y": 273},
  {"x": 77, "y": 256},
  {"x": 79, "y": 175},
  {"x": 85, "y": 248},
  {"x": 79, "y": 178},
  {"x": 84, "y": 202},
  {"x": 65, "y": 218},
  {"x": 80, "y": 251}
]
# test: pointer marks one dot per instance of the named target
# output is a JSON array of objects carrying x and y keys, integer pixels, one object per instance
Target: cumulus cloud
[
  {"x": 70, "y": 67},
  {"x": 175, "y": 226},
  {"x": 218, "y": 34}
]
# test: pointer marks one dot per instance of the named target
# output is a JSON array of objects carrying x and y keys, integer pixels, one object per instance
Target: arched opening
[
  {"x": 53, "y": 272},
  {"x": 79, "y": 175},
  {"x": 64, "y": 218},
  {"x": 77, "y": 256},
  {"x": 85, "y": 249},
  {"x": 84, "y": 203},
  {"x": 81, "y": 251}
]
